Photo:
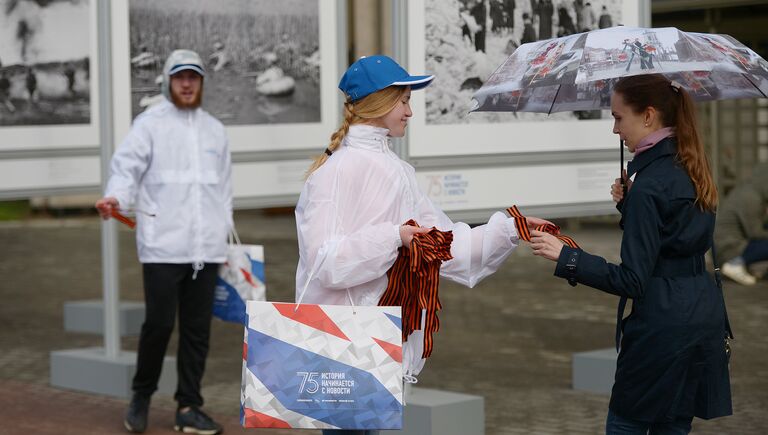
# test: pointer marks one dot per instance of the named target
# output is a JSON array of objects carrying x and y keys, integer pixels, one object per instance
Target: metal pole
[
  {"x": 645, "y": 13},
  {"x": 621, "y": 169},
  {"x": 109, "y": 242},
  {"x": 400, "y": 54},
  {"x": 399, "y": 29},
  {"x": 342, "y": 43}
]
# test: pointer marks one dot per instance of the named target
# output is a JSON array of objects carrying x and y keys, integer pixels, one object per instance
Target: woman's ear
[{"x": 649, "y": 116}]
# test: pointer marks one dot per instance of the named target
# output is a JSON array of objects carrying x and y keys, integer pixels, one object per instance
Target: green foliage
[{"x": 13, "y": 210}]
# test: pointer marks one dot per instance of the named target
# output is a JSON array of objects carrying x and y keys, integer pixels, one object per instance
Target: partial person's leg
[
  {"x": 679, "y": 427},
  {"x": 629, "y": 64},
  {"x": 756, "y": 251},
  {"x": 615, "y": 425},
  {"x": 161, "y": 282},
  {"x": 195, "y": 309},
  {"x": 161, "y": 287}
]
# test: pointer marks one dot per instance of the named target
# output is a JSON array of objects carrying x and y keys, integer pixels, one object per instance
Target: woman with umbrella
[{"x": 672, "y": 363}]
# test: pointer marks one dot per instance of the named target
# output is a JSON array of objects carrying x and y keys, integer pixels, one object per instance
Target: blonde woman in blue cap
[{"x": 358, "y": 194}]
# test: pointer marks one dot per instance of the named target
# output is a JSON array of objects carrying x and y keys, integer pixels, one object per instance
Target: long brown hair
[
  {"x": 677, "y": 110},
  {"x": 370, "y": 107}
]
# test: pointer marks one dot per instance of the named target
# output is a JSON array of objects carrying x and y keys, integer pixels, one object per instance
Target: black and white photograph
[
  {"x": 467, "y": 40},
  {"x": 45, "y": 62},
  {"x": 262, "y": 57}
]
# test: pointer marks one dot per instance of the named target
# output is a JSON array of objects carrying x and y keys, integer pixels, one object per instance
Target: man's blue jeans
[
  {"x": 616, "y": 425},
  {"x": 756, "y": 250}
]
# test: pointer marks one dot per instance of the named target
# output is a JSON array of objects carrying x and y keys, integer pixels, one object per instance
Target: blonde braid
[
  {"x": 336, "y": 138},
  {"x": 370, "y": 107}
]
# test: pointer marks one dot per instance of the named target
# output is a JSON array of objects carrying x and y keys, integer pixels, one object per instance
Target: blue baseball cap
[{"x": 374, "y": 73}]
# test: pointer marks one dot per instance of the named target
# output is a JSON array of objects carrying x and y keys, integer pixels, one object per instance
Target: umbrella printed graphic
[{"x": 577, "y": 72}]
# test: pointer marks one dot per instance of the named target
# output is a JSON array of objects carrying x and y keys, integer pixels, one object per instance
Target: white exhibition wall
[{"x": 269, "y": 158}]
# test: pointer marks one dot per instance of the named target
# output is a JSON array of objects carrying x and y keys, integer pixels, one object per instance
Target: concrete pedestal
[
  {"x": 90, "y": 370},
  {"x": 88, "y": 316},
  {"x": 433, "y": 412},
  {"x": 594, "y": 371}
]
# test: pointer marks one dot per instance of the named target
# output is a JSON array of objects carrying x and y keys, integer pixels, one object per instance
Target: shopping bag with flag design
[
  {"x": 240, "y": 279},
  {"x": 322, "y": 367}
]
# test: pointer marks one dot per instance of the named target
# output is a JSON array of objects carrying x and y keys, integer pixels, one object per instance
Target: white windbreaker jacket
[
  {"x": 348, "y": 219},
  {"x": 175, "y": 164}
]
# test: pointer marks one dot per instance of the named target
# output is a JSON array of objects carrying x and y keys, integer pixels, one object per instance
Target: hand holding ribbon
[{"x": 545, "y": 238}]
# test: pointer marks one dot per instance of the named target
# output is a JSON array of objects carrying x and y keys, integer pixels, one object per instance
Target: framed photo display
[
  {"x": 463, "y": 41},
  {"x": 48, "y": 76},
  {"x": 271, "y": 66}
]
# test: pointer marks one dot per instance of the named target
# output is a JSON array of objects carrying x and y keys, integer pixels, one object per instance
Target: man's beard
[{"x": 187, "y": 106}]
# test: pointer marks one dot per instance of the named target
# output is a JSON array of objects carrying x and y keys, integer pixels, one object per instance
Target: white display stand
[
  {"x": 594, "y": 371},
  {"x": 92, "y": 371},
  {"x": 87, "y": 316},
  {"x": 435, "y": 412}
]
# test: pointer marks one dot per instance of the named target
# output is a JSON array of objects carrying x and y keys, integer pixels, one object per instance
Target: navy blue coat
[{"x": 672, "y": 363}]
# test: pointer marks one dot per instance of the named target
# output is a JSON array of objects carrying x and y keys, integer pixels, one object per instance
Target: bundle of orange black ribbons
[{"x": 414, "y": 279}]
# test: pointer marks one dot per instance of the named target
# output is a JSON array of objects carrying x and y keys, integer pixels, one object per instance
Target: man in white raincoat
[{"x": 173, "y": 170}]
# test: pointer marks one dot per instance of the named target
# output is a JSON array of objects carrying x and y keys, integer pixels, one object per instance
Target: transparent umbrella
[{"x": 577, "y": 72}]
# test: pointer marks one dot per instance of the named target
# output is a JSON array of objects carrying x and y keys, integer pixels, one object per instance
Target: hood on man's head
[{"x": 180, "y": 60}]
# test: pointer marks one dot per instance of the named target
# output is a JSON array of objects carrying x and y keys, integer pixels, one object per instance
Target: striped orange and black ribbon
[
  {"x": 413, "y": 282},
  {"x": 522, "y": 228}
]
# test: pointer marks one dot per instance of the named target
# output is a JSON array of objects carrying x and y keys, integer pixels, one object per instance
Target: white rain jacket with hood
[
  {"x": 348, "y": 221},
  {"x": 175, "y": 164}
]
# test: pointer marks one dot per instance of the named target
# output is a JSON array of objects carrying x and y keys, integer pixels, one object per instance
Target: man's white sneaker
[{"x": 738, "y": 273}]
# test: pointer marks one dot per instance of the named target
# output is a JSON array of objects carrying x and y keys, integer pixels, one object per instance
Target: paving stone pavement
[{"x": 510, "y": 339}]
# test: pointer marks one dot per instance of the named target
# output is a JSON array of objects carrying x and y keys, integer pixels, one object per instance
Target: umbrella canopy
[{"x": 577, "y": 72}]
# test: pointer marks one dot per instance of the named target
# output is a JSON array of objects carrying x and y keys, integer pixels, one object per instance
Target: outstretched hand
[
  {"x": 407, "y": 232},
  {"x": 546, "y": 245}
]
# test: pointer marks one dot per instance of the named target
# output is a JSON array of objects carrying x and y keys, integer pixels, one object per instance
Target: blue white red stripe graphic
[{"x": 322, "y": 367}]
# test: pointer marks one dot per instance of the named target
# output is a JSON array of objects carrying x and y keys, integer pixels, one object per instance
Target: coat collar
[
  {"x": 665, "y": 147},
  {"x": 367, "y": 137}
]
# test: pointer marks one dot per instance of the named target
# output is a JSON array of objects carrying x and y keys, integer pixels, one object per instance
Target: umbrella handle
[{"x": 621, "y": 168}]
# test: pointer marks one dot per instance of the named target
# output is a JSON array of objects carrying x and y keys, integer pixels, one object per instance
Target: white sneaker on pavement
[{"x": 738, "y": 273}]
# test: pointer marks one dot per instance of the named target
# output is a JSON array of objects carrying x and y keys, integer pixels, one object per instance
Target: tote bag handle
[
  {"x": 306, "y": 286},
  {"x": 232, "y": 237}
]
